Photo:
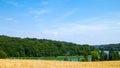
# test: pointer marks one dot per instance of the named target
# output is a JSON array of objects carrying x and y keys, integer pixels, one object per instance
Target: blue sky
[{"x": 79, "y": 21}]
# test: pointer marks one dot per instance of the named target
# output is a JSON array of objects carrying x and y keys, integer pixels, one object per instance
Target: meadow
[
  {"x": 60, "y": 58},
  {"x": 17, "y": 63}
]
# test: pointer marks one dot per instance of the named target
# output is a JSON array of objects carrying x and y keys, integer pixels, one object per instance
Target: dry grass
[{"x": 11, "y": 63}]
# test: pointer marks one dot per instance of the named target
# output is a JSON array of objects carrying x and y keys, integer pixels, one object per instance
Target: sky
[{"x": 91, "y": 22}]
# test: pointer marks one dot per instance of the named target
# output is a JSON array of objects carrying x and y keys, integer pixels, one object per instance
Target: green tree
[
  {"x": 3, "y": 54},
  {"x": 103, "y": 55},
  {"x": 78, "y": 57},
  {"x": 85, "y": 56},
  {"x": 117, "y": 55},
  {"x": 66, "y": 58},
  {"x": 95, "y": 56},
  {"x": 111, "y": 54},
  {"x": 32, "y": 47}
]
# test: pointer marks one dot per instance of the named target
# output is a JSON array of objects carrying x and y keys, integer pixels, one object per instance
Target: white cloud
[
  {"x": 38, "y": 19},
  {"x": 39, "y": 11},
  {"x": 66, "y": 15},
  {"x": 36, "y": 14},
  {"x": 69, "y": 13},
  {"x": 9, "y": 20},
  {"x": 13, "y": 3},
  {"x": 24, "y": 34},
  {"x": 95, "y": 30},
  {"x": 45, "y": 3},
  {"x": 73, "y": 29},
  {"x": 118, "y": 23}
]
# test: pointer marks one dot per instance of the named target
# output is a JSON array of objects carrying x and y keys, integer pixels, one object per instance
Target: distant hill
[
  {"x": 109, "y": 46},
  {"x": 32, "y": 47}
]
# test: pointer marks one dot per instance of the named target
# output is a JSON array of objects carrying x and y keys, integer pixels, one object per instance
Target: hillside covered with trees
[
  {"x": 109, "y": 46},
  {"x": 32, "y": 47}
]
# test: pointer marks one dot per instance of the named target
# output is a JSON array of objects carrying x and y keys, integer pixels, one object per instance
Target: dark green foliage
[
  {"x": 32, "y": 47},
  {"x": 86, "y": 56},
  {"x": 78, "y": 58},
  {"x": 111, "y": 54},
  {"x": 113, "y": 49},
  {"x": 95, "y": 56},
  {"x": 118, "y": 55},
  {"x": 3, "y": 54},
  {"x": 109, "y": 46},
  {"x": 114, "y": 54},
  {"x": 103, "y": 55},
  {"x": 66, "y": 58}
]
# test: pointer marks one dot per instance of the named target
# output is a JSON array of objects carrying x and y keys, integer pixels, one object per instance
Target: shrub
[
  {"x": 66, "y": 58},
  {"x": 95, "y": 56},
  {"x": 2, "y": 54}
]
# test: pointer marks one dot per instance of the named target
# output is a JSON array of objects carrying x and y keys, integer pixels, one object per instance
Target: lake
[{"x": 60, "y": 58}]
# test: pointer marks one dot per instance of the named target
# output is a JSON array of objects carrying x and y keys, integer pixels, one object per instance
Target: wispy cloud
[
  {"x": 69, "y": 13},
  {"x": 66, "y": 15},
  {"x": 37, "y": 19},
  {"x": 73, "y": 29},
  {"x": 13, "y": 3},
  {"x": 101, "y": 29},
  {"x": 45, "y": 3},
  {"x": 9, "y": 20},
  {"x": 16, "y": 4},
  {"x": 118, "y": 23},
  {"x": 39, "y": 11}
]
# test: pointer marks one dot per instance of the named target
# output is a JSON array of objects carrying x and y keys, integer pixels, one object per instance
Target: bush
[
  {"x": 103, "y": 55},
  {"x": 95, "y": 56},
  {"x": 2, "y": 54},
  {"x": 66, "y": 58},
  {"x": 85, "y": 56}
]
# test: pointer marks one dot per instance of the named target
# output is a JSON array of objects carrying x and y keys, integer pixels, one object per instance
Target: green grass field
[{"x": 60, "y": 58}]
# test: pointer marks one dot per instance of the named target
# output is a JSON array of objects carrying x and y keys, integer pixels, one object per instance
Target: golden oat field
[{"x": 14, "y": 63}]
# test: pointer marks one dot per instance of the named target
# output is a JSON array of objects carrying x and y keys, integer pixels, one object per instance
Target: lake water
[
  {"x": 89, "y": 58},
  {"x": 108, "y": 52}
]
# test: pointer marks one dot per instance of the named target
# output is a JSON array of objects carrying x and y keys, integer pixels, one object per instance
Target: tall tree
[
  {"x": 32, "y": 47},
  {"x": 103, "y": 55},
  {"x": 95, "y": 56},
  {"x": 86, "y": 56},
  {"x": 3, "y": 54},
  {"x": 111, "y": 54}
]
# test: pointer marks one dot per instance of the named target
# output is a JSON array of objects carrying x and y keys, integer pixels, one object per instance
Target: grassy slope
[{"x": 12, "y": 63}]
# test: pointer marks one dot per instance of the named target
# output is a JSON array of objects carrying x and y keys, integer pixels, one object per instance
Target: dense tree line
[
  {"x": 32, "y": 47},
  {"x": 113, "y": 52},
  {"x": 109, "y": 46},
  {"x": 103, "y": 56}
]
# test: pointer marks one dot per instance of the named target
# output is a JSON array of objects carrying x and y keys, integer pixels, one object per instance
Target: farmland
[{"x": 14, "y": 63}]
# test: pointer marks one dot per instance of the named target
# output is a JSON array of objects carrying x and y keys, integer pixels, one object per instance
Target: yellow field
[{"x": 11, "y": 63}]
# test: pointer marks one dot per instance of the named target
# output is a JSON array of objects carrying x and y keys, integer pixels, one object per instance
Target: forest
[
  {"x": 33, "y": 47},
  {"x": 109, "y": 46}
]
